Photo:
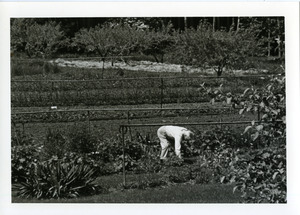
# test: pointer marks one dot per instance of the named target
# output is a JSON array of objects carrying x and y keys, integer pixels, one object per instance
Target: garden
[{"x": 66, "y": 144}]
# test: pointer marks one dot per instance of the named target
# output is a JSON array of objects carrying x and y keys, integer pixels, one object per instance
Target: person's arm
[{"x": 178, "y": 139}]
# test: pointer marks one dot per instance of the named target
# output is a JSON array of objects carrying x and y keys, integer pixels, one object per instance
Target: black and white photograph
[{"x": 186, "y": 108}]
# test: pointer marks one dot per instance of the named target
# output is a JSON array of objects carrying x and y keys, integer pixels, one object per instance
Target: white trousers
[{"x": 165, "y": 144}]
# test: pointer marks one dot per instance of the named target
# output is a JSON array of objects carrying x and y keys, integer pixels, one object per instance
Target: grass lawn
[{"x": 179, "y": 193}]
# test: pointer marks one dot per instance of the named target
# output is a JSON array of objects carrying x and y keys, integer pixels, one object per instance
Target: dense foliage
[
  {"x": 158, "y": 43},
  {"x": 201, "y": 45},
  {"x": 36, "y": 40},
  {"x": 261, "y": 175},
  {"x": 205, "y": 48}
]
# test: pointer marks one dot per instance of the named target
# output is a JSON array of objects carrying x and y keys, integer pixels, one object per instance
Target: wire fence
[
  {"x": 125, "y": 127},
  {"x": 97, "y": 117},
  {"x": 127, "y": 114}
]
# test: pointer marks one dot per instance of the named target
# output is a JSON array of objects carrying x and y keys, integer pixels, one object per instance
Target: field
[{"x": 85, "y": 126}]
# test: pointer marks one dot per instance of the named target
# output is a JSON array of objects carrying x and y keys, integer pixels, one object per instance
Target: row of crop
[
  {"x": 105, "y": 97},
  {"x": 115, "y": 96},
  {"x": 133, "y": 83},
  {"x": 93, "y": 115}
]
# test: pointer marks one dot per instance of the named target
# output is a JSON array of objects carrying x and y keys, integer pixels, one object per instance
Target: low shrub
[
  {"x": 20, "y": 138},
  {"x": 82, "y": 140},
  {"x": 23, "y": 157},
  {"x": 51, "y": 68},
  {"x": 56, "y": 144},
  {"x": 21, "y": 67}
]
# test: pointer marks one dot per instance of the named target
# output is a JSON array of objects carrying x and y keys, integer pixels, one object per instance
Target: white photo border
[{"x": 290, "y": 10}]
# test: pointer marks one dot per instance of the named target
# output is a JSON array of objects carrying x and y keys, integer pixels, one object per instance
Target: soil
[{"x": 143, "y": 66}]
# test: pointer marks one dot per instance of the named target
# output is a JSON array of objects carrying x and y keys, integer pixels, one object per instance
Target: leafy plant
[
  {"x": 56, "y": 179},
  {"x": 22, "y": 159},
  {"x": 269, "y": 103},
  {"x": 261, "y": 175},
  {"x": 56, "y": 144}
]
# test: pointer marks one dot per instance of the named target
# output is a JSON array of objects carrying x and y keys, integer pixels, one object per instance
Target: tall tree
[{"x": 37, "y": 40}]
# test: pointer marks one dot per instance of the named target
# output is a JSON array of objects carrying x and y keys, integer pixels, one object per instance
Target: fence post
[
  {"x": 23, "y": 127},
  {"x": 128, "y": 116},
  {"x": 128, "y": 121},
  {"x": 103, "y": 59},
  {"x": 123, "y": 157},
  {"x": 161, "y": 92},
  {"x": 52, "y": 92},
  {"x": 14, "y": 126},
  {"x": 88, "y": 112}
]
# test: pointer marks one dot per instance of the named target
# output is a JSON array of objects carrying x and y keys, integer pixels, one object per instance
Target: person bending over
[{"x": 176, "y": 134}]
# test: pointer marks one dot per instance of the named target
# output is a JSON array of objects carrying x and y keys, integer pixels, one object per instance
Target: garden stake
[
  {"x": 123, "y": 157},
  {"x": 161, "y": 92},
  {"x": 15, "y": 131},
  {"x": 128, "y": 116},
  {"x": 89, "y": 122},
  {"x": 52, "y": 89},
  {"x": 128, "y": 121},
  {"x": 103, "y": 68},
  {"x": 23, "y": 126}
]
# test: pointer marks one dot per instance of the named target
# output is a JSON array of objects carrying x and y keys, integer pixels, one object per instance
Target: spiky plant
[{"x": 55, "y": 179}]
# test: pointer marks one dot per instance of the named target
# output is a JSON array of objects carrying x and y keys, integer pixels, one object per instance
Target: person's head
[{"x": 187, "y": 134}]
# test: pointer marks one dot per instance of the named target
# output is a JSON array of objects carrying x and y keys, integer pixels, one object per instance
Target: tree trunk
[
  {"x": 162, "y": 58},
  {"x": 214, "y": 24},
  {"x": 156, "y": 59}
]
